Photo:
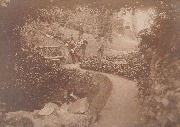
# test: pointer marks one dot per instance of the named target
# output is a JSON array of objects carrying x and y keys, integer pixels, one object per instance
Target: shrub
[
  {"x": 37, "y": 81},
  {"x": 160, "y": 89},
  {"x": 132, "y": 68}
]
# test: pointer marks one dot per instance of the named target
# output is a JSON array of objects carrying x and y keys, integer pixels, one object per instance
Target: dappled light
[{"x": 145, "y": 19}]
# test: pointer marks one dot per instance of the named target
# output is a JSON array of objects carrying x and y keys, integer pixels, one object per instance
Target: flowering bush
[
  {"x": 37, "y": 81},
  {"x": 132, "y": 68}
]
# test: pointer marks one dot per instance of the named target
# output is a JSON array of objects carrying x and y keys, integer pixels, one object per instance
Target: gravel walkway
[{"x": 122, "y": 108}]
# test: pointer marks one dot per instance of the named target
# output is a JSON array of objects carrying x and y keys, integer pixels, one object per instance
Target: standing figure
[
  {"x": 83, "y": 47},
  {"x": 77, "y": 56},
  {"x": 72, "y": 50},
  {"x": 100, "y": 50},
  {"x": 71, "y": 46}
]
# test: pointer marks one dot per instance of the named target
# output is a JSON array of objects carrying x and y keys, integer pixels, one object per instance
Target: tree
[
  {"x": 12, "y": 19},
  {"x": 160, "y": 46}
]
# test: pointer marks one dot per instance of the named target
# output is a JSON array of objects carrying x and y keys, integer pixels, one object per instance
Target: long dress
[{"x": 65, "y": 54}]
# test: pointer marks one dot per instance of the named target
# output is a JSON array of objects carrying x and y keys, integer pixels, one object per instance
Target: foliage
[
  {"x": 130, "y": 65},
  {"x": 94, "y": 21},
  {"x": 37, "y": 81},
  {"x": 27, "y": 79},
  {"x": 160, "y": 47}
]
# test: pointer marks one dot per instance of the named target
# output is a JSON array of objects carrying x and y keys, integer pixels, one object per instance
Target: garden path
[{"x": 122, "y": 108}]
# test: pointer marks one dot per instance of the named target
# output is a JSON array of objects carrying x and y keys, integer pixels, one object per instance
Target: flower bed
[{"x": 131, "y": 67}]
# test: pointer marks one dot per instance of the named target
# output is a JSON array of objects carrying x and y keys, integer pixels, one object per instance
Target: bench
[{"x": 56, "y": 59}]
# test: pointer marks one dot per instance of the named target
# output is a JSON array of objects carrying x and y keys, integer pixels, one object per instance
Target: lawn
[{"x": 120, "y": 44}]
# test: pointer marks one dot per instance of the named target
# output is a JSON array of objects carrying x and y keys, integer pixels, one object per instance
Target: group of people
[
  {"x": 74, "y": 49},
  {"x": 77, "y": 50}
]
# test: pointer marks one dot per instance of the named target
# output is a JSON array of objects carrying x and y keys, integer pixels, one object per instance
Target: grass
[{"x": 119, "y": 44}]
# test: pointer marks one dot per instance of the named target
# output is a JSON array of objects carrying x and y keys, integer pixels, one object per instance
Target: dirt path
[{"x": 122, "y": 108}]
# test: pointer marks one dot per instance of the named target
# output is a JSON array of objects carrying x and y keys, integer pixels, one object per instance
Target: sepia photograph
[{"x": 89, "y": 63}]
